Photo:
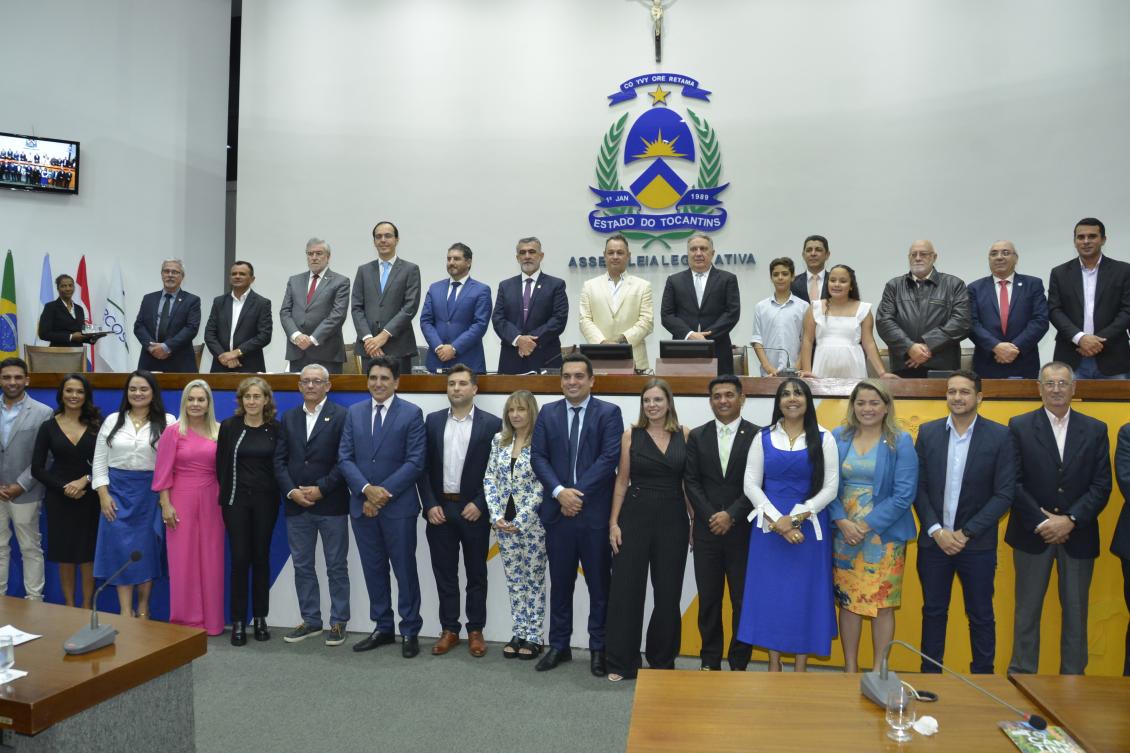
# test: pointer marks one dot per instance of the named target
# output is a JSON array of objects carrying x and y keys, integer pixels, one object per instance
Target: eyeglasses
[
  {"x": 1056, "y": 384},
  {"x": 999, "y": 254},
  {"x": 311, "y": 382}
]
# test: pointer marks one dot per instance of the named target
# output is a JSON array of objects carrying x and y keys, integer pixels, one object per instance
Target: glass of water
[
  {"x": 900, "y": 713},
  {"x": 7, "y": 656}
]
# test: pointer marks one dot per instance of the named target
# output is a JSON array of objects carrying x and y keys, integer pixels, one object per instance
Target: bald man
[{"x": 1009, "y": 314}]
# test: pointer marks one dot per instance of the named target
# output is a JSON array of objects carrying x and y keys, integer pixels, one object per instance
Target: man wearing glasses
[
  {"x": 313, "y": 308},
  {"x": 1063, "y": 483},
  {"x": 1010, "y": 315}
]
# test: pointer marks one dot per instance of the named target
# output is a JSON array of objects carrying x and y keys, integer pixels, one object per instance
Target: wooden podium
[{"x": 134, "y": 695}]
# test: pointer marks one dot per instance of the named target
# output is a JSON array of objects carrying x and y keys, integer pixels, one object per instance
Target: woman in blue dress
[{"x": 792, "y": 474}]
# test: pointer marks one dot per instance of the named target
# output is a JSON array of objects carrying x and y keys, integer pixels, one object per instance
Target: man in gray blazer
[
  {"x": 313, "y": 309},
  {"x": 20, "y": 494},
  {"x": 386, "y": 296}
]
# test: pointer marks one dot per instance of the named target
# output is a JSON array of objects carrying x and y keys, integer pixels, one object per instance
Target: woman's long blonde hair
[
  {"x": 671, "y": 424},
  {"x": 890, "y": 428},
  {"x": 211, "y": 428},
  {"x": 526, "y": 398}
]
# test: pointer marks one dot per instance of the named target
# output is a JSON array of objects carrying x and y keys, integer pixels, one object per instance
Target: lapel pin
[{"x": 326, "y": 419}]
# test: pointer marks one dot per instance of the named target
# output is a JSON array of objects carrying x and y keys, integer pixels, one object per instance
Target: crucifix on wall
[{"x": 657, "y": 11}]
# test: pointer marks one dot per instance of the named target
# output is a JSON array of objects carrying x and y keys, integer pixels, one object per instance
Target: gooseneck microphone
[
  {"x": 95, "y": 636},
  {"x": 877, "y": 684},
  {"x": 786, "y": 372}
]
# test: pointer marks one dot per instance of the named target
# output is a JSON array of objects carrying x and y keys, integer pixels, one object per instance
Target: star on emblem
[{"x": 659, "y": 96}]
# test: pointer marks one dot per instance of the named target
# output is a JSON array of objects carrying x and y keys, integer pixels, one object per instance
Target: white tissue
[{"x": 926, "y": 725}]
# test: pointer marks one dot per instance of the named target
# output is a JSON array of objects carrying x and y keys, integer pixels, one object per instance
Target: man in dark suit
[
  {"x": 1089, "y": 306},
  {"x": 715, "y": 472},
  {"x": 456, "y": 316},
  {"x": 1009, "y": 316},
  {"x": 317, "y": 503},
  {"x": 386, "y": 296},
  {"x": 456, "y": 509},
  {"x": 815, "y": 280},
  {"x": 703, "y": 302},
  {"x": 166, "y": 323},
  {"x": 239, "y": 325},
  {"x": 313, "y": 309},
  {"x": 1120, "y": 544},
  {"x": 966, "y": 477},
  {"x": 382, "y": 457},
  {"x": 1063, "y": 483},
  {"x": 574, "y": 452},
  {"x": 530, "y": 312}
]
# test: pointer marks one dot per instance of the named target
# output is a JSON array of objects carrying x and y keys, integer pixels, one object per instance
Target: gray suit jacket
[
  {"x": 15, "y": 456},
  {"x": 394, "y": 309},
  {"x": 321, "y": 320}
]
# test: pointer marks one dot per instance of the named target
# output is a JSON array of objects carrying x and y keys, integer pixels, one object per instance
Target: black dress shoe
[
  {"x": 410, "y": 647},
  {"x": 261, "y": 631},
  {"x": 374, "y": 639},
  {"x": 552, "y": 658},
  {"x": 596, "y": 664},
  {"x": 238, "y": 633}
]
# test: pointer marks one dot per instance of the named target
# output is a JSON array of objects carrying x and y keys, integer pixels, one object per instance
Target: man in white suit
[
  {"x": 616, "y": 307},
  {"x": 313, "y": 309}
]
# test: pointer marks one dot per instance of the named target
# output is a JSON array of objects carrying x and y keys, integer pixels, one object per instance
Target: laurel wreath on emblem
[{"x": 709, "y": 172}]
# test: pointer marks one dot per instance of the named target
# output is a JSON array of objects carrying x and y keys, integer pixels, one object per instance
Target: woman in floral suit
[{"x": 513, "y": 495}]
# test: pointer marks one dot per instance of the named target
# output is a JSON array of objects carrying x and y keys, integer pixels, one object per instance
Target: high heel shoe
[
  {"x": 238, "y": 633},
  {"x": 261, "y": 631}
]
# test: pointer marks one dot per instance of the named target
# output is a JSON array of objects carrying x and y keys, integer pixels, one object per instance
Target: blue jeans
[
  {"x": 976, "y": 569},
  {"x": 1088, "y": 369},
  {"x": 302, "y": 534}
]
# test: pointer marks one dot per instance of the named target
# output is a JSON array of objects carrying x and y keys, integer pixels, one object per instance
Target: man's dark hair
[
  {"x": 19, "y": 363},
  {"x": 724, "y": 379},
  {"x": 577, "y": 358},
  {"x": 395, "y": 229},
  {"x": 463, "y": 248},
  {"x": 392, "y": 364},
  {"x": 1090, "y": 222},
  {"x": 820, "y": 238},
  {"x": 969, "y": 374},
  {"x": 247, "y": 264},
  {"x": 462, "y": 368}
]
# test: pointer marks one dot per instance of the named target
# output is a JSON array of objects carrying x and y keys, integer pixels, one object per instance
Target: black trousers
[
  {"x": 718, "y": 561},
  {"x": 653, "y": 528},
  {"x": 444, "y": 542},
  {"x": 976, "y": 569},
  {"x": 250, "y": 525}
]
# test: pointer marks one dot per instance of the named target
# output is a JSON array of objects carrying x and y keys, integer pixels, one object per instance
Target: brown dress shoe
[
  {"x": 447, "y": 641},
  {"x": 475, "y": 643}
]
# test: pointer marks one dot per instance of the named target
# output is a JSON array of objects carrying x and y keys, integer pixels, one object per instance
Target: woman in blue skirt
[{"x": 792, "y": 473}]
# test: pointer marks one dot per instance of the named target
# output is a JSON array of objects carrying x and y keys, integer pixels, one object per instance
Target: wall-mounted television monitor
[{"x": 29, "y": 163}]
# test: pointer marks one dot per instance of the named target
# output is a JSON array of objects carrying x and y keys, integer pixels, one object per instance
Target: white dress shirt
[
  {"x": 1090, "y": 284},
  {"x": 1059, "y": 429},
  {"x": 312, "y": 416},
  {"x": 764, "y": 513},
  {"x": 130, "y": 451},
  {"x": 456, "y": 440},
  {"x": 236, "y": 309}
]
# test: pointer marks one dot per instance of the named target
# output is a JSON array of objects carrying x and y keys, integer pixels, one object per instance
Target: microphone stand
[
  {"x": 788, "y": 371},
  {"x": 96, "y": 636}
]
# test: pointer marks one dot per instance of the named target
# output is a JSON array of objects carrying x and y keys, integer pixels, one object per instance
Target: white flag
[{"x": 113, "y": 350}]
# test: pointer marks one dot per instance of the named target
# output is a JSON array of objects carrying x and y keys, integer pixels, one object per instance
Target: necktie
[
  {"x": 378, "y": 423},
  {"x": 451, "y": 295},
  {"x": 163, "y": 321},
  {"x": 813, "y": 288},
  {"x": 724, "y": 449},
  {"x": 313, "y": 285},
  {"x": 526, "y": 293},
  {"x": 1004, "y": 305},
  {"x": 574, "y": 443},
  {"x": 385, "y": 266},
  {"x": 699, "y": 285}
]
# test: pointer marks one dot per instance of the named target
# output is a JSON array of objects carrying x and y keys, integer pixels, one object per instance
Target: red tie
[
  {"x": 1004, "y": 305},
  {"x": 310, "y": 292}
]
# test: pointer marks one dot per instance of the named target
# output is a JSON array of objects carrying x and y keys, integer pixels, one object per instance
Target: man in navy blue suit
[
  {"x": 966, "y": 477},
  {"x": 1009, "y": 313},
  {"x": 166, "y": 323},
  {"x": 456, "y": 509},
  {"x": 382, "y": 456},
  {"x": 574, "y": 452},
  {"x": 317, "y": 502},
  {"x": 455, "y": 316},
  {"x": 530, "y": 313}
]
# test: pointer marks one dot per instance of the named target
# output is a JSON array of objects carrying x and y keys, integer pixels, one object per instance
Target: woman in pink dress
[{"x": 185, "y": 476}]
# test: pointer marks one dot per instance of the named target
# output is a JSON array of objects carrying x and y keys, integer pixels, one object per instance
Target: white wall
[
  {"x": 143, "y": 87},
  {"x": 874, "y": 122}
]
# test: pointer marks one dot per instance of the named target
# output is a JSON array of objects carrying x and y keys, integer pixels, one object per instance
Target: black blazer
[
  {"x": 1120, "y": 544},
  {"x": 252, "y": 331},
  {"x": 483, "y": 428},
  {"x": 184, "y": 323},
  {"x": 987, "y": 486},
  {"x": 56, "y": 325},
  {"x": 1111, "y": 314},
  {"x": 312, "y": 462},
  {"x": 706, "y": 488},
  {"x": 800, "y": 285},
  {"x": 549, "y": 312},
  {"x": 721, "y": 308},
  {"x": 1079, "y": 485}
]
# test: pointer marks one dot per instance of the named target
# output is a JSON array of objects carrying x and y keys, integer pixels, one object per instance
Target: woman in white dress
[{"x": 842, "y": 327}]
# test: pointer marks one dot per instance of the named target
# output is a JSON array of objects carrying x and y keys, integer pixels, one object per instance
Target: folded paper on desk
[
  {"x": 1051, "y": 740},
  {"x": 18, "y": 636}
]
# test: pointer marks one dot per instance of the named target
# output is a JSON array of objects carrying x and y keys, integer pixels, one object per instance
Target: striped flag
[
  {"x": 114, "y": 349},
  {"x": 46, "y": 283},
  {"x": 9, "y": 331},
  {"x": 83, "y": 294}
]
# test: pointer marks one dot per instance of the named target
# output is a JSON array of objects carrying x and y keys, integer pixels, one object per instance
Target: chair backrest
[
  {"x": 43, "y": 358},
  {"x": 198, "y": 351},
  {"x": 352, "y": 363},
  {"x": 740, "y": 360}
]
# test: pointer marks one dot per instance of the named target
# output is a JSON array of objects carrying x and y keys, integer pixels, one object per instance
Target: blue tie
[
  {"x": 385, "y": 266},
  {"x": 378, "y": 424},
  {"x": 574, "y": 443},
  {"x": 451, "y": 294}
]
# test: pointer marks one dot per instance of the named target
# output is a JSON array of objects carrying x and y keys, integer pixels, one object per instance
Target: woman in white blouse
[
  {"x": 122, "y": 475},
  {"x": 792, "y": 474}
]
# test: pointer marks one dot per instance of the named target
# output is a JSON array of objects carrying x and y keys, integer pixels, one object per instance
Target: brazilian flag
[{"x": 9, "y": 333}]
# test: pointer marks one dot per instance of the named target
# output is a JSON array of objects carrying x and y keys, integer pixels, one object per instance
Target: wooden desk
[
  {"x": 822, "y": 711},
  {"x": 59, "y": 687},
  {"x": 1094, "y": 710}
]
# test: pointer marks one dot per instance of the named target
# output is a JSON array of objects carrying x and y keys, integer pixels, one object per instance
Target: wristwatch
[
  {"x": 796, "y": 520},
  {"x": 967, "y": 533}
]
